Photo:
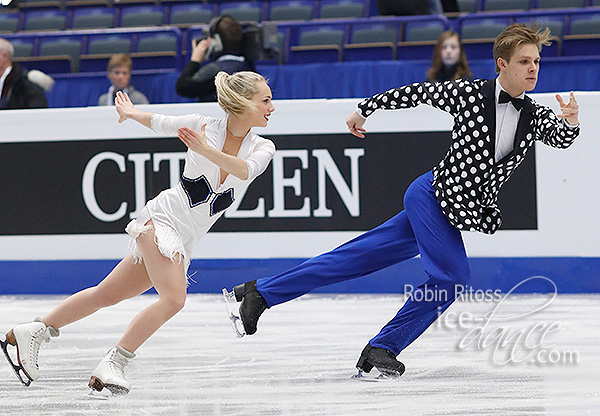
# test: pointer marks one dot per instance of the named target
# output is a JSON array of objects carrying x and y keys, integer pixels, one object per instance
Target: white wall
[{"x": 567, "y": 182}]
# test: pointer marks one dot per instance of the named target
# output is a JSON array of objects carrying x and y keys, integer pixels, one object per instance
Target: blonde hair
[
  {"x": 235, "y": 92},
  {"x": 518, "y": 34},
  {"x": 118, "y": 60}
]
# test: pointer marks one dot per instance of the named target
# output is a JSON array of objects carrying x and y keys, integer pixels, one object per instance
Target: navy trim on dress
[{"x": 199, "y": 192}]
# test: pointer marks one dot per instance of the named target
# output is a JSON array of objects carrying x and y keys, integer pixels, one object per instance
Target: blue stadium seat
[
  {"x": 40, "y": 20},
  {"x": 141, "y": 16},
  {"x": 317, "y": 43},
  {"x": 244, "y": 11},
  {"x": 583, "y": 36},
  {"x": 559, "y": 4},
  {"x": 158, "y": 50},
  {"x": 59, "y": 54},
  {"x": 9, "y": 22},
  {"x": 79, "y": 4},
  {"x": 183, "y": 15},
  {"x": 420, "y": 37},
  {"x": 469, "y": 6},
  {"x": 478, "y": 34},
  {"x": 93, "y": 18},
  {"x": 342, "y": 9},
  {"x": 289, "y": 10},
  {"x": 41, "y": 4},
  {"x": 24, "y": 47},
  {"x": 101, "y": 46},
  {"x": 505, "y": 5},
  {"x": 372, "y": 41}
]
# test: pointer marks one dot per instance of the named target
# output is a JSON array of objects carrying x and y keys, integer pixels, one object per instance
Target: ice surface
[{"x": 302, "y": 358}]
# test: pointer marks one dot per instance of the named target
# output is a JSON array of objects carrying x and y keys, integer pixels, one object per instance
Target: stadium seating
[
  {"x": 247, "y": 11},
  {"x": 141, "y": 16},
  {"x": 188, "y": 14},
  {"x": 317, "y": 42},
  {"x": 420, "y": 37},
  {"x": 372, "y": 41},
  {"x": 39, "y": 20},
  {"x": 583, "y": 37},
  {"x": 9, "y": 22},
  {"x": 93, "y": 18},
  {"x": 341, "y": 9},
  {"x": 292, "y": 10},
  {"x": 308, "y": 30},
  {"x": 504, "y": 5},
  {"x": 100, "y": 47}
]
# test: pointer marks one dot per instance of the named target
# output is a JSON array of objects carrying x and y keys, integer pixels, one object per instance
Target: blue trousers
[{"x": 421, "y": 228}]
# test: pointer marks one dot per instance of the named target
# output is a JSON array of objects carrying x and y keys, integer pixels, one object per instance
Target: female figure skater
[{"x": 223, "y": 158}]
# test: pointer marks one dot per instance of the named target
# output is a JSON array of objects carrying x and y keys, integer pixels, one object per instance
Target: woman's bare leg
[
  {"x": 169, "y": 280},
  {"x": 125, "y": 281}
]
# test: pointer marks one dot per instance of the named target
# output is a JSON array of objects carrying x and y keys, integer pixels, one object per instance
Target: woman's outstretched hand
[
  {"x": 123, "y": 105},
  {"x": 192, "y": 139}
]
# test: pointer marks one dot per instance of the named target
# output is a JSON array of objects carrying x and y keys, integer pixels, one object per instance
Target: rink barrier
[{"x": 569, "y": 274}]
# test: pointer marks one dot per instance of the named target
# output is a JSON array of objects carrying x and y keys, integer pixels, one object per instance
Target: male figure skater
[{"x": 495, "y": 124}]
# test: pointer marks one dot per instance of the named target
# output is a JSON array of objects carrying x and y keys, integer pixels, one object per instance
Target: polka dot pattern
[{"x": 468, "y": 180}]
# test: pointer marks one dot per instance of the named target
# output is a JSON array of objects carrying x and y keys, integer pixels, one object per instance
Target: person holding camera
[{"x": 223, "y": 46}]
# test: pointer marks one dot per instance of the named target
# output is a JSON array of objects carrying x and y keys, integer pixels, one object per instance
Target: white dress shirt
[
  {"x": 507, "y": 119},
  {"x": 3, "y": 77}
]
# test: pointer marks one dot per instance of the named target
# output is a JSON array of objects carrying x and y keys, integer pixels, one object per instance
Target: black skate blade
[
  {"x": 234, "y": 319},
  {"x": 16, "y": 368}
]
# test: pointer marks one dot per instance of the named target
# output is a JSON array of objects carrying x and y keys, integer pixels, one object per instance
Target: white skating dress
[{"x": 183, "y": 214}]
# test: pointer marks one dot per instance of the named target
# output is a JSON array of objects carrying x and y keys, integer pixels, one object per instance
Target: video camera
[{"x": 259, "y": 41}]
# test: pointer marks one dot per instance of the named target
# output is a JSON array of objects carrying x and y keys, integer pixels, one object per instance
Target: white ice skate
[
  {"x": 27, "y": 338},
  {"x": 110, "y": 372}
]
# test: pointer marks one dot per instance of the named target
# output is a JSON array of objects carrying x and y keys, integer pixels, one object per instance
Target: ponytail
[{"x": 235, "y": 92}]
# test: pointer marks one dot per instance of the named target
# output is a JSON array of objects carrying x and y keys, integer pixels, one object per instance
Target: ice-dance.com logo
[{"x": 511, "y": 337}]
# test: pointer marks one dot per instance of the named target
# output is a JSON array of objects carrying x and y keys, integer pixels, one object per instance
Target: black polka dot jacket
[{"x": 467, "y": 181}]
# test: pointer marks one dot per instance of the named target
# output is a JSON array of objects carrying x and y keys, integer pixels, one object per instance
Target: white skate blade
[
  {"x": 372, "y": 377},
  {"x": 235, "y": 320},
  {"x": 105, "y": 394},
  {"x": 16, "y": 368}
]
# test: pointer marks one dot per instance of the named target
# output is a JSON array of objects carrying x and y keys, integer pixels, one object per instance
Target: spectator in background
[
  {"x": 403, "y": 7},
  {"x": 449, "y": 61},
  {"x": 223, "y": 46},
  {"x": 415, "y": 7},
  {"x": 119, "y": 74},
  {"x": 17, "y": 91},
  {"x": 450, "y": 6}
]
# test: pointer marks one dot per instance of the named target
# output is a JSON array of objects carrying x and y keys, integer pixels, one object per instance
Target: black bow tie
[{"x": 516, "y": 102}]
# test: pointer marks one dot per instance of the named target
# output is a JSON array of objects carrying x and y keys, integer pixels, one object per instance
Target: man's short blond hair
[
  {"x": 118, "y": 60},
  {"x": 516, "y": 35}
]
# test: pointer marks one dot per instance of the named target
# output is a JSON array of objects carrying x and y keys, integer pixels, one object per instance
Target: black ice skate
[
  {"x": 380, "y": 358},
  {"x": 252, "y": 306}
]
